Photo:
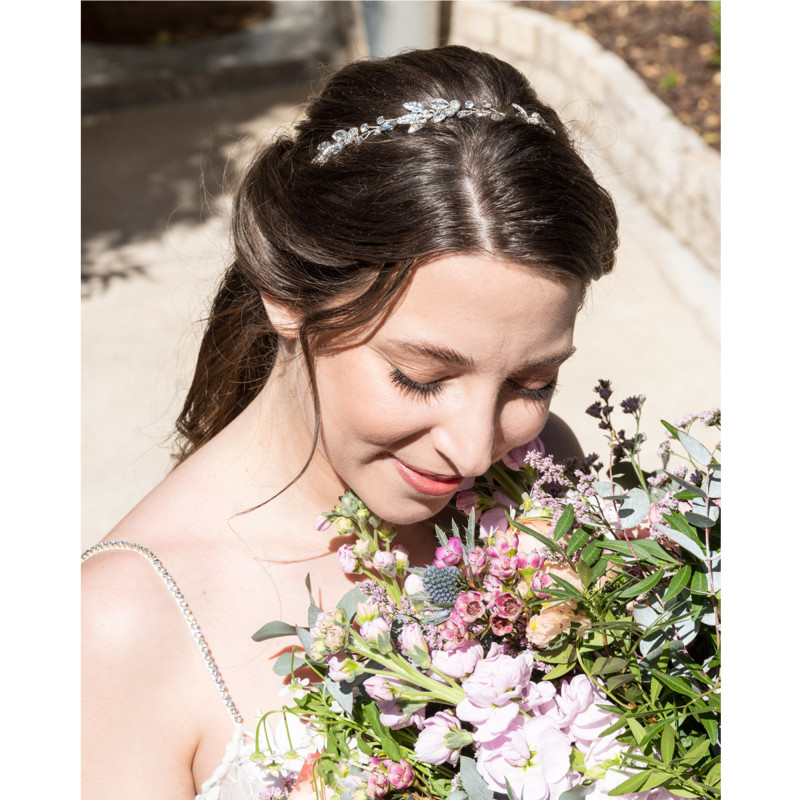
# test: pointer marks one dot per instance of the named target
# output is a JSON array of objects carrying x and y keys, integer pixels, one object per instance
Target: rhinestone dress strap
[{"x": 191, "y": 622}]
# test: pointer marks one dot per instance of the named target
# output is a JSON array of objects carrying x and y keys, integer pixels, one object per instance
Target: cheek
[
  {"x": 368, "y": 410},
  {"x": 521, "y": 421}
]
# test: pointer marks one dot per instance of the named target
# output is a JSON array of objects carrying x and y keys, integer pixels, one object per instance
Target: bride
[{"x": 403, "y": 292}]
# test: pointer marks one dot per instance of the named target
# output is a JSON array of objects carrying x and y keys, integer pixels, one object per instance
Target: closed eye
[{"x": 409, "y": 386}]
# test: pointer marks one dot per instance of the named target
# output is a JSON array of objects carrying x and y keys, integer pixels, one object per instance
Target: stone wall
[{"x": 606, "y": 103}]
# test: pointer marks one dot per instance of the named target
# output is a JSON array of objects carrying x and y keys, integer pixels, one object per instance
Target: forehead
[{"x": 484, "y": 307}]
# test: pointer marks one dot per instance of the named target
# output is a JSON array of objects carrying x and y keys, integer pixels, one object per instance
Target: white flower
[{"x": 296, "y": 688}]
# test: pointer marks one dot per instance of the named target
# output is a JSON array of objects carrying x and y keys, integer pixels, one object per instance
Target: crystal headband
[{"x": 420, "y": 114}]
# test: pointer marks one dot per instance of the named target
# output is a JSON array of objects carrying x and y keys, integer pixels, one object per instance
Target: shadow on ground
[{"x": 148, "y": 168}]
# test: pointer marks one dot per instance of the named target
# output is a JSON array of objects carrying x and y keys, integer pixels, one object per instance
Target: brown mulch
[
  {"x": 673, "y": 46},
  {"x": 167, "y": 22}
]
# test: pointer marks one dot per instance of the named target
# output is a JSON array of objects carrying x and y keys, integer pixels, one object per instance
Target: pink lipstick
[{"x": 427, "y": 482}]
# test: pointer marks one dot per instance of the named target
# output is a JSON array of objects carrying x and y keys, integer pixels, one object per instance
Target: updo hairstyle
[{"x": 337, "y": 241}]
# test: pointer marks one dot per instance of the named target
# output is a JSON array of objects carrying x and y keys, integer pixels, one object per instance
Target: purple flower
[
  {"x": 378, "y": 688},
  {"x": 493, "y": 520},
  {"x": 394, "y": 717},
  {"x": 431, "y": 745},
  {"x": 515, "y": 458},
  {"x": 322, "y": 523},
  {"x": 630, "y": 405},
  {"x": 451, "y": 555}
]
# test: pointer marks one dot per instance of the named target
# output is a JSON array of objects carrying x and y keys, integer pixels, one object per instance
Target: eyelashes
[{"x": 429, "y": 390}]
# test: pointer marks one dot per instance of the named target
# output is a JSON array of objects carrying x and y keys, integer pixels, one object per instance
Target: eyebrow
[{"x": 451, "y": 357}]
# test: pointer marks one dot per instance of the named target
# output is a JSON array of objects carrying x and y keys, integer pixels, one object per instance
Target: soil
[
  {"x": 673, "y": 46},
  {"x": 168, "y": 22}
]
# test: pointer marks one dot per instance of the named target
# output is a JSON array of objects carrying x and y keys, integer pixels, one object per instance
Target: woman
[{"x": 401, "y": 299}]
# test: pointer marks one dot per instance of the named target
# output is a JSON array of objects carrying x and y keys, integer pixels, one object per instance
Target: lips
[{"x": 426, "y": 482}]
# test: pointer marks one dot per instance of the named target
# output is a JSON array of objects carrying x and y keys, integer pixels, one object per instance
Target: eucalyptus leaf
[
  {"x": 272, "y": 630},
  {"x": 576, "y": 792},
  {"x": 670, "y": 427},
  {"x": 456, "y": 795},
  {"x": 306, "y": 639},
  {"x": 286, "y": 662},
  {"x": 472, "y": 781},
  {"x": 603, "y": 488},
  {"x": 342, "y": 692},
  {"x": 634, "y": 508},
  {"x": 696, "y": 451},
  {"x": 715, "y": 481},
  {"x": 695, "y": 490},
  {"x": 698, "y": 520},
  {"x": 681, "y": 539},
  {"x": 706, "y": 509},
  {"x": 350, "y": 601}
]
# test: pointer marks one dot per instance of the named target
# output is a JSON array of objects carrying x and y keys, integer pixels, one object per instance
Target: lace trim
[{"x": 191, "y": 622}]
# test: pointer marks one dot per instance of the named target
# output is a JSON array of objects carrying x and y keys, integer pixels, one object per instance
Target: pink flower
[
  {"x": 413, "y": 584},
  {"x": 322, "y": 523},
  {"x": 492, "y": 694},
  {"x": 394, "y": 717},
  {"x": 385, "y": 563},
  {"x": 377, "y": 784},
  {"x": 477, "y": 560},
  {"x": 451, "y": 555},
  {"x": 431, "y": 745},
  {"x": 412, "y": 644},
  {"x": 576, "y": 711},
  {"x": 493, "y": 520},
  {"x": 500, "y": 626},
  {"x": 503, "y": 566},
  {"x": 467, "y": 502},
  {"x": 459, "y": 661},
  {"x": 534, "y": 755},
  {"x": 378, "y": 688},
  {"x": 508, "y": 606},
  {"x": 342, "y": 666},
  {"x": 401, "y": 776},
  {"x": 374, "y": 629},
  {"x": 347, "y": 558},
  {"x": 468, "y": 605}
]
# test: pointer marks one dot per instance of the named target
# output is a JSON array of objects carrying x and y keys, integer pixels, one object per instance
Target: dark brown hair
[{"x": 307, "y": 235}]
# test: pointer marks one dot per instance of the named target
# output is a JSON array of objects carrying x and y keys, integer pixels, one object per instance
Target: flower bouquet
[{"x": 564, "y": 644}]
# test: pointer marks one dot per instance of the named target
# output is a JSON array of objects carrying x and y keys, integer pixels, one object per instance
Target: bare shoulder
[
  {"x": 559, "y": 439},
  {"x": 136, "y": 650}
]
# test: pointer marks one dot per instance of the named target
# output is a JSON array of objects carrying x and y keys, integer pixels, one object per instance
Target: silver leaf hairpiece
[{"x": 420, "y": 114}]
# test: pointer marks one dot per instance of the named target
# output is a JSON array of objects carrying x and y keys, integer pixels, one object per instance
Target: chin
[{"x": 408, "y": 511}]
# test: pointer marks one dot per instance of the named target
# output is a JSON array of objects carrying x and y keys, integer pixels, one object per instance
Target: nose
[{"x": 466, "y": 435}]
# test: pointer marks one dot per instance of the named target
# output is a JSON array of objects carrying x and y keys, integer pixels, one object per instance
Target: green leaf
[
  {"x": 674, "y": 682},
  {"x": 697, "y": 452},
  {"x": 689, "y": 487},
  {"x": 577, "y": 540},
  {"x": 471, "y": 531},
  {"x": 472, "y": 781},
  {"x": 568, "y": 588},
  {"x": 591, "y": 553},
  {"x": 606, "y": 665},
  {"x": 637, "y": 729},
  {"x": 272, "y": 630},
  {"x": 564, "y": 522},
  {"x": 643, "y": 586},
  {"x": 667, "y": 744},
  {"x": 373, "y": 717},
  {"x": 586, "y": 574},
  {"x": 670, "y": 427},
  {"x": 644, "y": 549},
  {"x": 696, "y": 751},
  {"x": 699, "y": 520},
  {"x": 632, "y": 784},
  {"x": 615, "y": 681},
  {"x": 549, "y": 543},
  {"x": 678, "y": 582},
  {"x": 558, "y": 671},
  {"x": 656, "y": 779},
  {"x": 711, "y": 725},
  {"x": 510, "y": 790},
  {"x": 714, "y": 775}
]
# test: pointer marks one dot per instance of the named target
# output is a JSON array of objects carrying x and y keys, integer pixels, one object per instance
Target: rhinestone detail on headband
[
  {"x": 191, "y": 622},
  {"x": 420, "y": 114}
]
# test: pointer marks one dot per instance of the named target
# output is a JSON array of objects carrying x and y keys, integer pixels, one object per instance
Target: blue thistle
[{"x": 442, "y": 584}]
